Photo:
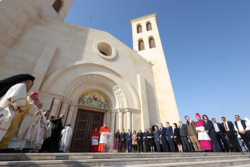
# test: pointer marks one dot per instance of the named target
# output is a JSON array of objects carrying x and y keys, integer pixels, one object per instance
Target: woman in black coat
[
  {"x": 151, "y": 139},
  {"x": 177, "y": 137}
]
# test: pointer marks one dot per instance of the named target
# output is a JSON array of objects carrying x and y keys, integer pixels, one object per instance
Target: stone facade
[
  {"x": 164, "y": 92},
  {"x": 68, "y": 60}
]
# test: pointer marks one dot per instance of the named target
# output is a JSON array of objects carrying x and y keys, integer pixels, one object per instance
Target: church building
[{"x": 87, "y": 74}]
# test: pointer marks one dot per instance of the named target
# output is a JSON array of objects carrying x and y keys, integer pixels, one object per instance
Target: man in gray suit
[{"x": 184, "y": 134}]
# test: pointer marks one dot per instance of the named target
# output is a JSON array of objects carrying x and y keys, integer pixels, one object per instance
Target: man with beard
[{"x": 13, "y": 104}]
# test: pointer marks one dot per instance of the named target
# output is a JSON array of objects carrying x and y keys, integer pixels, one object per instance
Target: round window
[{"x": 104, "y": 50}]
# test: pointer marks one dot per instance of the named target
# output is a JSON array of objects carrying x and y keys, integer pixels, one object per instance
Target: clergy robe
[
  {"x": 35, "y": 131},
  {"x": 13, "y": 127},
  {"x": 45, "y": 145},
  {"x": 43, "y": 131},
  {"x": 66, "y": 136},
  {"x": 26, "y": 123},
  {"x": 24, "y": 129},
  {"x": 36, "y": 126},
  {"x": 95, "y": 136},
  {"x": 16, "y": 95},
  {"x": 102, "y": 146},
  {"x": 56, "y": 135},
  {"x": 205, "y": 141}
]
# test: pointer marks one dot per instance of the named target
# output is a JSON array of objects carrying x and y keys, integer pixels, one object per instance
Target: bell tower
[{"x": 147, "y": 43}]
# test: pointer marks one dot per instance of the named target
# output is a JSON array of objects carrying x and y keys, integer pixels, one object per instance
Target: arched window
[
  {"x": 141, "y": 45},
  {"x": 152, "y": 43},
  {"x": 139, "y": 29},
  {"x": 149, "y": 26},
  {"x": 57, "y": 5}
]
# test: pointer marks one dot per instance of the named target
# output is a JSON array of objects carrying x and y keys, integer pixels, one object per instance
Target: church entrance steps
[
  {"x": 204, "y": 163},
  {"x": 73, "y": 156},
  {"x": 128, "y": 160}
]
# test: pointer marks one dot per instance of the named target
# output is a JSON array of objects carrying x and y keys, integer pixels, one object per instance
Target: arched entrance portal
[
  {"x": 63, "y": 88},
  {"x": 91, "y": 108}
]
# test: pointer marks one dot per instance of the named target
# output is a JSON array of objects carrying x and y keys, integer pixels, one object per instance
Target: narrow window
[
  {"x": 151, "y": 43},
  {"x": 141, "y": 45},
  {"x": 149, "y": 26},
  {"x": 57, "y": 5},
  {"x": 139, "y": 29}
]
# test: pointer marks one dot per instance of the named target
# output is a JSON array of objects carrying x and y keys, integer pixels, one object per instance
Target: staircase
[{"x": 124, "y": 159}]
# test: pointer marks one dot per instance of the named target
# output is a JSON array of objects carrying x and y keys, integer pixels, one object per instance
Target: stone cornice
[
  {"x": 51, "y": 94},
  {"x": 143, "y": 18}
]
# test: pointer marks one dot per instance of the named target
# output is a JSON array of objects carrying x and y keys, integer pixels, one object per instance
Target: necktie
[
  {"x": 216, "y": 127},
  {"x": 226, "y": 126}
]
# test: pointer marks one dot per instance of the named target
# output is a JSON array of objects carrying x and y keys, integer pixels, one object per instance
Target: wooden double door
[{"x": 86, "y": 122}]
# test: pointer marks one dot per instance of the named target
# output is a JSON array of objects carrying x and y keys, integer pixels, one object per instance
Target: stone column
[
  {"x": 70, "y": 114},
  {"x": 145, "y": 123},
  {"x": 120, "y": 120},
  {"x": 112, "y": 125},
  {"x": 108, "y": 118},
  {"x": 54, "y": 108},
  {"x": 112, "y": 121},
  {"x": 129, "y": 120},
  {"x": 64, "y": 108}
]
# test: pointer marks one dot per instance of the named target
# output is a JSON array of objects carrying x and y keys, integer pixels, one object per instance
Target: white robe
[
  {"x": 66, "y": 136},
  {"x": 24, "y": 131},
  {"x": 17, "y": 96},
  {"x": 25, "y": 127},
  {"x": 203, "y": 134},
  {"x": 35, "y": 131},
  {"x": 43, "y": 130}
]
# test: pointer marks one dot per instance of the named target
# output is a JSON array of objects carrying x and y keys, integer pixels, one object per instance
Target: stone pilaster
[
  {"x": 120, "y": 119},
  {"x": 128, "y": 119},
  {"x": 112, "y": 122},
  {"x": 70, "y": 114},
  {"x": 54, "y": 109}
]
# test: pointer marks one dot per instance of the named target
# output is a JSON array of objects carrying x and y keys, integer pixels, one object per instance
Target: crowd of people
[
  {"x": 194, "y": 136},
  {"x": 23, "y": 124}
]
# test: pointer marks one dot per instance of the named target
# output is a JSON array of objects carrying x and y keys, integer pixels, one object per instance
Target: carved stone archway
[{"x": 96, "y": 78}]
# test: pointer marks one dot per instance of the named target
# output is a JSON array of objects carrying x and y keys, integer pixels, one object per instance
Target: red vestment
[
  {"x": 95, "y": 136},
  {"x": 102, "y": 146}
]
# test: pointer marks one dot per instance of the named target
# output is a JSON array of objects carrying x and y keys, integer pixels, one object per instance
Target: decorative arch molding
[
  {"x": 96, "y": 87},
  {"x": 96, "y": 78},
  {"x": 54, "y": 76}
]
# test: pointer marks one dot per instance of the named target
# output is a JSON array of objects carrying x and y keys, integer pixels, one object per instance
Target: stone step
[
  {"x": 132, "y": 161},
  {"x": 72, "y": 156},
  {"x": 220, "y": 163}
]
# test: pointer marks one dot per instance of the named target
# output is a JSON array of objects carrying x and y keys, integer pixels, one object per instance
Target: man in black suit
[
  {"x": 140, "y": 140},
  {"x": 145, "y": 139},
  {"x": 229, "y": 130},
  {"x": 220, "y": 133},
  {"x": 184, "y": 134},
  {"x": 212, "y": 134},
  {"x": 243, "y": 129},
  {"x": 123, "y": 140},
  {"x": 157, "y": 139},
  {"x": 163, "y": 138}
]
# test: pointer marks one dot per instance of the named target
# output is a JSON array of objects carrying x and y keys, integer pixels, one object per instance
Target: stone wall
[{"x": 15, "y": 17}]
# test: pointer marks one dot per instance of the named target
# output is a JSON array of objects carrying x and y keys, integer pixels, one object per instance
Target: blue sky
[{"x": 206, "y": 44}]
